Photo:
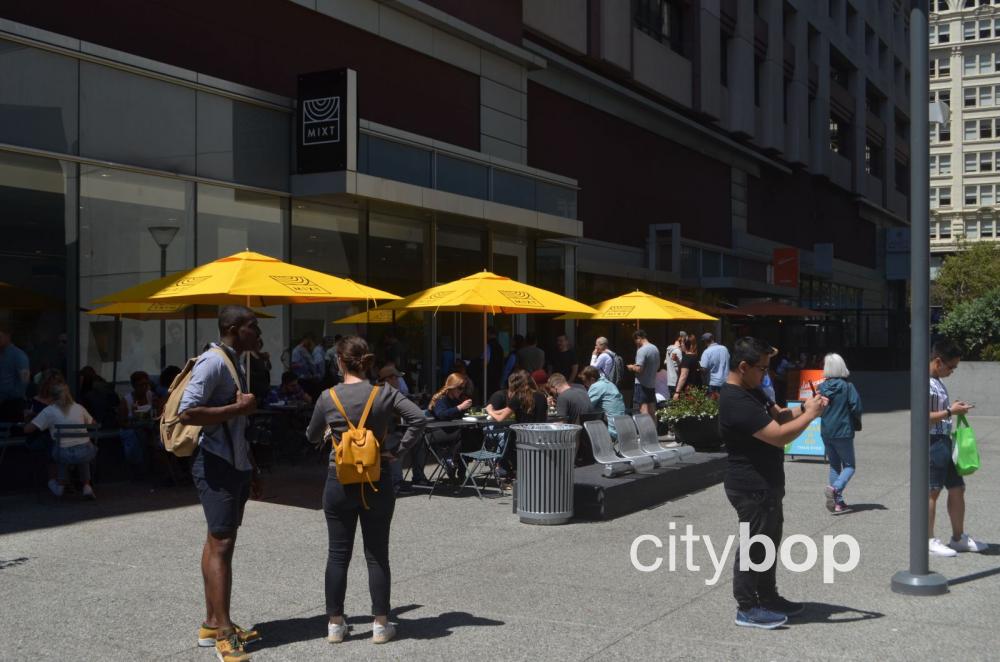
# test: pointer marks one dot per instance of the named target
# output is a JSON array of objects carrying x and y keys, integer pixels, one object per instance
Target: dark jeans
[
  {"x": 763, "y": 511},
  {"x": 343, "y": 508}
]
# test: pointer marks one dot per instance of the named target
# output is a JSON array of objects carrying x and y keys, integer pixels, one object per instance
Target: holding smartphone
[{"x": 812, "y": 388}]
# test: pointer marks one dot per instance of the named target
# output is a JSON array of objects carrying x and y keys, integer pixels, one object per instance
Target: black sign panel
[{"x": 326, "y": 136}]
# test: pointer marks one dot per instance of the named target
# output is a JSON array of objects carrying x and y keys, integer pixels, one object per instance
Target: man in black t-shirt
[{"x": 755, "y": 431}]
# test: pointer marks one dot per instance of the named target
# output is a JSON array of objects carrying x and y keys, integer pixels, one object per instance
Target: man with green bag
[{"x": 945, "y": 357}]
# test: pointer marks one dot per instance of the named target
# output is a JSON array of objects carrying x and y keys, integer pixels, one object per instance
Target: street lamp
[
  {"x": 918, "y": 579},
  {"x": 163, "y": 235}
]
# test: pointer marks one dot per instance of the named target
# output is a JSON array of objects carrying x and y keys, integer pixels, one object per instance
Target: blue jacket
[{"x": 844, "y": 402}]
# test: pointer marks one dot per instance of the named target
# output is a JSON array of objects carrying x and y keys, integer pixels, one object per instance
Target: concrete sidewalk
[{"x": 119, "y": 580}]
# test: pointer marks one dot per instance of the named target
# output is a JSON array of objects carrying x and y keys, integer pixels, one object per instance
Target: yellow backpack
[{"x": 358, "y": 455}]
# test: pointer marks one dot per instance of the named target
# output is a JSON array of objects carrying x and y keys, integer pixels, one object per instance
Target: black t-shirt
[
  {"x": 753, "y": 464},
  {"x": 562, "y": 362},
  {"x": 690, "y": 361},
  {"x": 572, "y": 403},
  {"x": 538, "y": 415}
]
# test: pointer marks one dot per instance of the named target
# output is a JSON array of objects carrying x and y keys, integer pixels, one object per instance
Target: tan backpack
[
  {"x": 178, "y": 438},
  {"x": 357, "y": 456}
]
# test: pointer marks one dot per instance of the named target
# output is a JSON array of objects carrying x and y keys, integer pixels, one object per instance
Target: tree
[
  {"x": 975, "y": 325},
  {"x": 968, "y": 275}
]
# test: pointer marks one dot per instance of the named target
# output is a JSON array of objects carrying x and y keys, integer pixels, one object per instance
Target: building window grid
[
  {"x": 940, "y": 164},
  {"x": 981, "y": 129},
  {"x": 940, "y": 196},
  {"x": 980, "y": 195}
]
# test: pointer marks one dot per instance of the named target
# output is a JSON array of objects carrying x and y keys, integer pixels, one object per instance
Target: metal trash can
[{"x": 546, "y": 456}]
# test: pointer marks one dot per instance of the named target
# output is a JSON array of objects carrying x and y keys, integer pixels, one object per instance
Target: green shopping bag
[{"x": 964, "y": 454}]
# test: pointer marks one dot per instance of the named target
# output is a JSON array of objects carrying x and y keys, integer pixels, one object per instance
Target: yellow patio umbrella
[
  {"x": 162, "y": 311},
  {"x": 372, "y": 316},
  {"x": 249, "y": 279},
  {"x": 641, "y": 306},
  {"x": 488, "y": 293}
]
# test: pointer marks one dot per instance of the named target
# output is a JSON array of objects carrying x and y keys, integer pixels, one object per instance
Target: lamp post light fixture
[
  {"x": 163, "y": 235},
  {"x": 918, "y": 579}
]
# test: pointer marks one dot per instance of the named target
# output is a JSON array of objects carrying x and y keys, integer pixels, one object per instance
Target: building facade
[
  {"x": 965, "y": 156},
  {"x": 588, "y": 146}
]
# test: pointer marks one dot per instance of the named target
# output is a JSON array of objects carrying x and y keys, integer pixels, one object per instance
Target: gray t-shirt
[
  {"x": 573, "y": 402},
  {"x": 648, "y": 358},
  {"x": 390, "y": 405},
  {"x": 212, "y": 385}
]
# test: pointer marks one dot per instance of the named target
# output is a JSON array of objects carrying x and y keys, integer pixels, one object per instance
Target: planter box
[{"x": 701, "y": 433}]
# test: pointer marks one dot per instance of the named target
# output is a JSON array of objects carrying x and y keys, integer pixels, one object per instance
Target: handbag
[
  {"x": 964, "y": 452},
  {"x": 856, "y": 422}
]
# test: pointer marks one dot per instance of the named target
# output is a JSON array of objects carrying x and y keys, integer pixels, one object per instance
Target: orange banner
[{"x": 785, "y": 262}]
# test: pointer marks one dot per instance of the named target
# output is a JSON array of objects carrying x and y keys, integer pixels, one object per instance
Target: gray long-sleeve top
[{"x": 389, "y": 405}]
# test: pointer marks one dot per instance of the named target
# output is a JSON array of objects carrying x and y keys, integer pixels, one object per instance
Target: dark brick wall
[
  {"x": 266, "y": 44},
  {"x": 501, "y": 18},
  {"x": 629, "y": 177},
  {"x": 801, "y": 210}
]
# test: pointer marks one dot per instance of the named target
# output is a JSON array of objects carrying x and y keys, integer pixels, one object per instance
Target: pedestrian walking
[{"x": 841, "y": 419}]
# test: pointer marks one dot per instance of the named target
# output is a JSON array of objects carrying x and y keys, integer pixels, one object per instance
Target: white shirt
[
  {"x": 53, "y": 415},
  {"x": 673, "y": 368}
]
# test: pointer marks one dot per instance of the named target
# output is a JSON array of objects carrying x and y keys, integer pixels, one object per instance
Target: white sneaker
[
  {"x": 967, "y": 544},
  {"x": 88, "y": 492},
  {"x": 56, "y": 488},
  {"x": 937, "y": 548},
  {"x": 336, "y": 633},
  {"x": 383, "y": 633}
]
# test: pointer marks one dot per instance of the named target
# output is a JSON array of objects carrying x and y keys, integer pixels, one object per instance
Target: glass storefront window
[
  {"x": 512, "y": 189},
  {"x": 325, "y": 238},
  {"x": 393, "y": 160},
  {"x": 117, "y": 250},
  {"x": 556, "y": 200},
  {"x": 38, "y": 98},
  {"x": 233, "y": 220},
  {"x": 459, "y": 252},
  {"x": 136, "y": 120},
  {"x": 242, "y": 143},
  {"x": 462, "y": 177},
  {"x": 38, "y": 201},
  {"x": 396, "y": 248}
]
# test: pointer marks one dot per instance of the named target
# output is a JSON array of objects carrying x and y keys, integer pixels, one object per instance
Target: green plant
[
  {"x": 975, "y": 324},
  {"x": 693, "y": 403},
  {"x": 967, "y": 275}
]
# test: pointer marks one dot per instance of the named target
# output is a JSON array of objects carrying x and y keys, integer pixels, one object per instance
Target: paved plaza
[{"x": 119, "y": 579}]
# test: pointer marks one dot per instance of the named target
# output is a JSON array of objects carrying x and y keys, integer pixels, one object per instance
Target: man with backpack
[
  {"x": 607, "y": 362},
  {"x": 216, "y": 398}
]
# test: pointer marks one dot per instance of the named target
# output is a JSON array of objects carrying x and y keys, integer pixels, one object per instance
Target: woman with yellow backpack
[{"x": 358, "y": 416}]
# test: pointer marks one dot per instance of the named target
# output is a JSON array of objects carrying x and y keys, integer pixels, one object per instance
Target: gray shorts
[{"x": 223, "y": 491}]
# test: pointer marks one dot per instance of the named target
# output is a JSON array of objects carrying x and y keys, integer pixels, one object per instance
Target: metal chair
[
  {"x": 78, "y": 431},
  {"x": 496, "y": 439},
  {"x": 628, "y": 439},
  {"x": 604, "y": 453},
  {"x": 649, "y": 442},
  {"x": 441, "y": 442}
]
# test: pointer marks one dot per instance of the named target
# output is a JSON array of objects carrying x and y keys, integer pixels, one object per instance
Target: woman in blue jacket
[{"x": 840, "y": 420}]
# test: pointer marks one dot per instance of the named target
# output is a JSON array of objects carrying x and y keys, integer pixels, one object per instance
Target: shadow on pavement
[
  {"x": 974, "y": 576},
  {"x": 292, "y": 630},
  {"x": 821, "y": 612},
  {"x": 862, "y": 507},
  {"x": 299, "y": 485}
]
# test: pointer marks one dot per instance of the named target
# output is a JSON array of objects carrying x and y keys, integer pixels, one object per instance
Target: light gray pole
[{"x": 918, "y": 580}]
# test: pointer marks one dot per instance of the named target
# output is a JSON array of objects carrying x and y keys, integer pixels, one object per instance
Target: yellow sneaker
[
  {"x": 207, "y": 635},
  {"x": 229, "y": 647}
]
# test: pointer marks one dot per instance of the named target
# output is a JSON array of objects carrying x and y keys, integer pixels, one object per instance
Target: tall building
[
  {"x": 965, "y": 156},
  {"x": 712, "y": 150}
]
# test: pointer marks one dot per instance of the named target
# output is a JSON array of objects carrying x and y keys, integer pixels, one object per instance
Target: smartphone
[{"x": 812, "y": 388}]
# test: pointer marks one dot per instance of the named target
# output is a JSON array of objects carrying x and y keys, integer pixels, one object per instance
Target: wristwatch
[{"x": 949, "y": 412}]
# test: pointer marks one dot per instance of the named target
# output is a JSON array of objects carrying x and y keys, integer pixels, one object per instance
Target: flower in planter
[{"x": 693, "y": 404}]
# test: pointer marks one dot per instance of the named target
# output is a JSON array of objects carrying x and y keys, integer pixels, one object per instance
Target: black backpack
[{"x": 617, "y": 375}]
